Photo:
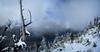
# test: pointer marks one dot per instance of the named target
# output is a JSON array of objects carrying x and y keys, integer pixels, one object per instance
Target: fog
[{"x": 51, "y": 14}]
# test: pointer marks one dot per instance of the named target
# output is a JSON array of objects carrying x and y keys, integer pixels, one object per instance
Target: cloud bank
[{"x": 51, "y": 14}]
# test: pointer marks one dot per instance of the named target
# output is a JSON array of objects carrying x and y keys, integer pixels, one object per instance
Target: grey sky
[{"x": 52, "y": 13}]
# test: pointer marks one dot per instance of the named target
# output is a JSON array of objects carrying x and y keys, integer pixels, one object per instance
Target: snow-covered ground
[{"x": 87, "y": 42}]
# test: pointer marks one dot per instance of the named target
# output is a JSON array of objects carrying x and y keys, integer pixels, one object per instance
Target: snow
[
  {"x": 88, "y": 39},
  {"x": 13, "y": 35},
  {"x": 2, "y": 38},
  {"x": 6, "y": 48},
  {"x": 21, "y": 43},
  {"x": 27, "y": 32}
]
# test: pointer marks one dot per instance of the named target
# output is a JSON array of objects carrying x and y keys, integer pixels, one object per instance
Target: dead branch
[{"x": 30, "y": 19}]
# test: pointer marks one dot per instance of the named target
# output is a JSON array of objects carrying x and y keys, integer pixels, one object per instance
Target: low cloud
[{"x": 51, "y": 14}]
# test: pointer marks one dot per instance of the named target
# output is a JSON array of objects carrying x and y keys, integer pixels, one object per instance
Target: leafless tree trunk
[{"x": 23, "y": 21}]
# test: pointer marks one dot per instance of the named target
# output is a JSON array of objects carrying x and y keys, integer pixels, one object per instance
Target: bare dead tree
[{"x": 24, "y": 25}]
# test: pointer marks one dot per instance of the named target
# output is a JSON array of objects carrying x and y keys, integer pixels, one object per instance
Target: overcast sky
[{"x": 52, "y": 13}]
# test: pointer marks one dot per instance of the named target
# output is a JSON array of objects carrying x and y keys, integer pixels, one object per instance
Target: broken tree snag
[
  {"x": 30, "y": 19},
  {"x": 22, "y": 17},
  {"x": 23, "y": 21}
]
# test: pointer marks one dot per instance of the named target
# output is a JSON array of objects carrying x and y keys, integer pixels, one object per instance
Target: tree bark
[{"x": 23, "y": 22}]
